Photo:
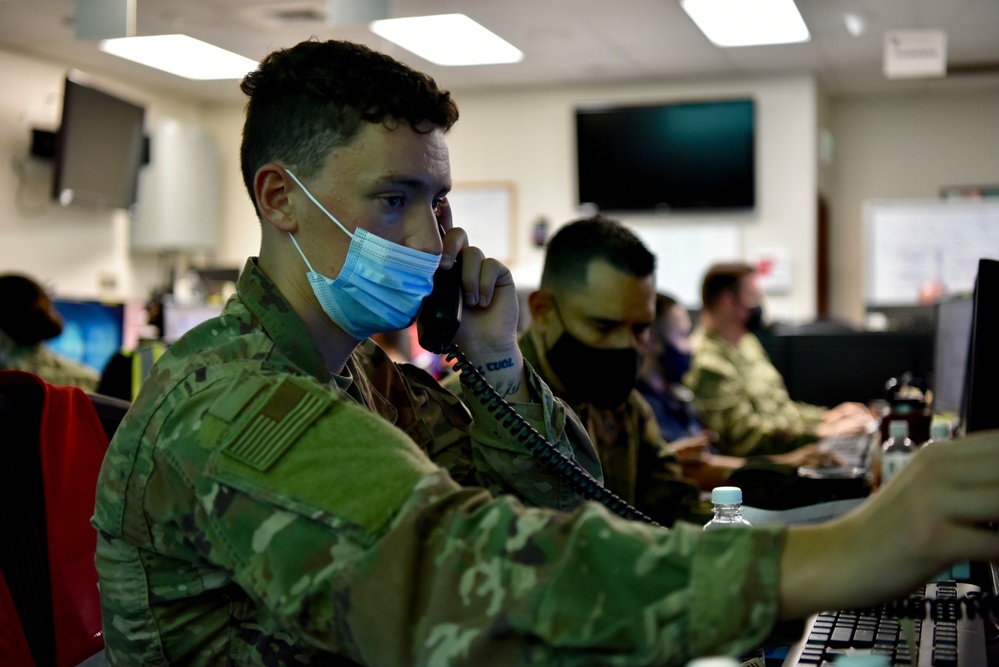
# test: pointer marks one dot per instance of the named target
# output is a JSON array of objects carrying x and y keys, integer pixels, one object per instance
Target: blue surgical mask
[{"x": 381, "y": 284}]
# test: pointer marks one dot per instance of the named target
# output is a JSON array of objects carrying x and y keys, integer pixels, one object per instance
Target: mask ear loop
[
  {"x": 316, "y": 202},
  {"x": 299, "y": 248},
  {"x": 321, "y": 208}
]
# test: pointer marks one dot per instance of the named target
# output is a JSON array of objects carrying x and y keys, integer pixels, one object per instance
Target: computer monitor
[
  {"x": 982, "y": 398},
  {"x": 951, "y": 338},
  {"x": 91, "y": 332},
  {"x": 178, "y": 318}
]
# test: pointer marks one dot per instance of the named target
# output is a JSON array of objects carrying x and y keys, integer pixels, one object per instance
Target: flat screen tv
[
  {"x": 99, "y": 148},
  {"x": 689, "y": 156}
]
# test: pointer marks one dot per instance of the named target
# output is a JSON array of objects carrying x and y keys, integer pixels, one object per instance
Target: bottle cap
[
  {"x": 898, "y": 428},
  {"x": 726, "y": 495},
  {"x": 939, "y": 431}
]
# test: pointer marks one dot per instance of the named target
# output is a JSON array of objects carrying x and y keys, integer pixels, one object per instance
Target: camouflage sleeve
[
  {"x": 343, "y": 533},
  {"x": 810, "y": 414},
  {"x": 497, "y": 460},
  {"x": 56, "y": 369},
  {"x": 745, "y": 426}
]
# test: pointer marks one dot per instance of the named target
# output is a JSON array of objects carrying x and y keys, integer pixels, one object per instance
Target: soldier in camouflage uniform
[
  {"x": 27, "y": 320},
  {"x": 737, "y": 391},
  {"x": 265, "y": 502},
  {"x": 594, "y": 310}
]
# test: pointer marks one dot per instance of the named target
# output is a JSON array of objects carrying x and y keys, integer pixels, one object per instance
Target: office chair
[{"x": 53, "y": 444}]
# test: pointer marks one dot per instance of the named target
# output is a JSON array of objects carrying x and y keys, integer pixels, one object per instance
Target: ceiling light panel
[
  {"x": 180, "y": 55},
  {"x": 448, "y": 39},
  {"x": 729, "y": 23}
]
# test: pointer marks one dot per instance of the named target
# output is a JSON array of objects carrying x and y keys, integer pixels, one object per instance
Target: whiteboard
[
  {"x": 685, "y": 251},
  {"x": 910, "y": 243},
  {"x": 486, "y": 212}
]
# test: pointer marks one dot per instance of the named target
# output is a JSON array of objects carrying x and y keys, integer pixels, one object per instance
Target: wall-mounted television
[
  {"x": 682, "y": 156},
  {"x": 99, "y": 148}
]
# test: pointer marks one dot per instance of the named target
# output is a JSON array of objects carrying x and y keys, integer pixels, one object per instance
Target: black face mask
[
  {"x": 594, "y": 375},
  {"x": 755, "y": 322},
  {"x": 674, "y": 362}
]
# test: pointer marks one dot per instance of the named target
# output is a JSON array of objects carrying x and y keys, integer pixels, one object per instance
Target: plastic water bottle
[
  {"x": 896, "y": 450},
  {"x": 727, "y": 501},
  {"x": 939, "y": 432}
]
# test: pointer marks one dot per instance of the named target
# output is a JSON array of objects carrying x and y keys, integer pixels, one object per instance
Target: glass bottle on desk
[
  {"x": 727, "y": 501},
  {"x": 896, "y": 450}
]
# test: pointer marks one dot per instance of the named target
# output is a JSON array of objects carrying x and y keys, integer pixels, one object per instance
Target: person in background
[
  {"x": 264, "y": 502},
  {"x": 125, "y": 372},
  {"x": 27, "y": 320},
  {"x": 664, "y": 362},
  {"x": 737, "y": 391},
  {"x": 590, "y": 322},
  {"x": 590, "y": 317}
]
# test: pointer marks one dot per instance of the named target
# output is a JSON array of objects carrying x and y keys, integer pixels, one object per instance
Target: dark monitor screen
[
  {"x": 674, "y": 156},
  {"x": 99, "y": 148},
  {"x": 91, "y": 333},
  {"x": 951, "y": 338},
  {"x": 982, "y": 400}
]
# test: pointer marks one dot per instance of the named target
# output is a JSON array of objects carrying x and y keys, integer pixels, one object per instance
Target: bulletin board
[
  {"x": 913, "y": 242},
  {"x": 487, "y": 212}
]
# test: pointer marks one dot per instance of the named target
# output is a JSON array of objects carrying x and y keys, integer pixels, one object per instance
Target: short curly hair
[{"x": 311, "y": 98}]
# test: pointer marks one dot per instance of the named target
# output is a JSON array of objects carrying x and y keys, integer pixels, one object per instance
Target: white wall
[
  {"x": 898, "y": 147},
  {"x": 527, "y": 137},
  {"x": 901, "y": 148},
  {"x": 78, "y": 252}
]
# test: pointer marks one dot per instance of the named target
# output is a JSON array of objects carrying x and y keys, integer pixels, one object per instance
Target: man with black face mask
[
  {"x": 588, "y": 321},
  {"x": 591, "y": 323},
  {"x": 737, "y": 391}
]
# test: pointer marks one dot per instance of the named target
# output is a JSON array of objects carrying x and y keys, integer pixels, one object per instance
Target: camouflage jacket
[
  {"x": 635, "y": 458},
  {"x": 741, "y": 396},
  {"x": 46, "y": 364},
  {"x": 254, "y": 510}
]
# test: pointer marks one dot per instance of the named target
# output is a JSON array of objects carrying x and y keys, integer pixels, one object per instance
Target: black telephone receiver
[
  {"x": 440, "y": 313},
  {"x": 436, "y": 324}
]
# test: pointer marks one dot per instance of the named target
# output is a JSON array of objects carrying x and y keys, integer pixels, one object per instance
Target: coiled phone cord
[{"x": 539, "y": 447}]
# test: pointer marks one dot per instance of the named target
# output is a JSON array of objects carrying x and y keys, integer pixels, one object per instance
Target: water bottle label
[{"x": 891, "y": 464}]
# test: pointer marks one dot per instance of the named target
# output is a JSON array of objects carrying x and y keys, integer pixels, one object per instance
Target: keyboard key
[{"x": 948, "y": 642}]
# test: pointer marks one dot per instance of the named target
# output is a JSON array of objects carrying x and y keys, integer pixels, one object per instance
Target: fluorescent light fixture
[
  {"x": 747, "y": 22},
  {"x": 854, "y": 24},
  {"x": 447, "y": 39},
  {"x": 181, "y": 55}
]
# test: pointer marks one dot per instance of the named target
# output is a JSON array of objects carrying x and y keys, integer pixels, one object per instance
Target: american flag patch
[{"x": 274, "y": 425}]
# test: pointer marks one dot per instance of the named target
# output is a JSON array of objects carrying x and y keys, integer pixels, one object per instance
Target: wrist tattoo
[
  {"x": 507, "y": 389},
  {"x": 499, "y": 365}
]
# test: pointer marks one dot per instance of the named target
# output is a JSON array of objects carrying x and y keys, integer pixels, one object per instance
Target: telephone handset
[
  {"x": 440, "y": 313},
  {"x": 436, "y": 325}
]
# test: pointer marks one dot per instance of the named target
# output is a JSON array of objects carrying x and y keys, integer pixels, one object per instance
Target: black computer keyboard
[{"x": 948, "y": 641}]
